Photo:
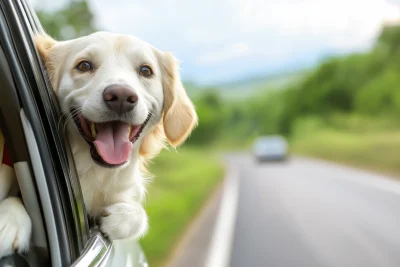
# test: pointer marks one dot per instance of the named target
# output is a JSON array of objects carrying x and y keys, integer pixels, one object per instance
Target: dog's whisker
[
  {"x": 66, "y": 122},
  {"x": 61, "y": 118},
  {"x": 70, "y": 115},
  {"x": 151, "y": 118}
]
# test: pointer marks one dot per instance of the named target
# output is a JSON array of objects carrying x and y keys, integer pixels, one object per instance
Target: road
[{"x": 312, "y": 213}]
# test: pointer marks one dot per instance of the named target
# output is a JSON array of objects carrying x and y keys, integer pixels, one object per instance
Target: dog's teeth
[
  {"x": 129, "y": 131},
  {"x": 93, "y": 129}
]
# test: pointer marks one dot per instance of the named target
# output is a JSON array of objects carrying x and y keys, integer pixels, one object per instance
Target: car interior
[
  {"x": 32, "y": 126},
  {"x": 29, "y": 120}
]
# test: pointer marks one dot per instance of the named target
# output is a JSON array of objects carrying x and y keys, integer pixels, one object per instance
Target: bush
[{"x": 380, "y": 95}]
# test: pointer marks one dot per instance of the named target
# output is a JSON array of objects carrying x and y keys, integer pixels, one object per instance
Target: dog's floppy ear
[
  {"x": 44, "y": 45},
  {"x": 179, "y": 114}
]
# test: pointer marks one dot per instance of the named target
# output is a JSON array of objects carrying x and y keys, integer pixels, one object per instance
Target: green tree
[
  {"x": 208, "y": 107},
  {"x": 73, "y": 20},
  {"x": 380, "y": 95},
  {"x": 389, "y": 39}
]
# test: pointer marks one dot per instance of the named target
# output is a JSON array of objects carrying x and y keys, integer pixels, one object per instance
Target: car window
[
  {"x": 66, "y": 222},
  {"x": 11, "y": 126},
  {"x": 49, "y": 162}
]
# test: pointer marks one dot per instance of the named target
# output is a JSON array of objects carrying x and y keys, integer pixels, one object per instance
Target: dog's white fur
[
  {"x": 15, "y": 226},
  {"x": 114, "y": 196}
]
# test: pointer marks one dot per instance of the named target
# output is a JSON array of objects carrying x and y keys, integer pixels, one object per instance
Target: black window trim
[
  {"x": 74, "y": 190},
  {"x": 64, "y": 189}
]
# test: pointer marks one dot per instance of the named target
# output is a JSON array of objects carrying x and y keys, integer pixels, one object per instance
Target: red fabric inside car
[{"x": 6, "y": 157}]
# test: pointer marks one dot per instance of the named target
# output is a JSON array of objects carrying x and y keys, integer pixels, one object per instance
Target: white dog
[{"x": 123, "y": 99}]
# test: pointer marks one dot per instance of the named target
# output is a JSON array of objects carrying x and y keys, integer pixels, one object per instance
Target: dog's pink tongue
[{"x": 112, "y": 142}]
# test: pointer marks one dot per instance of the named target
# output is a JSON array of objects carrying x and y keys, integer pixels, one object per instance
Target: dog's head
[{"x": 119, "y": 91}]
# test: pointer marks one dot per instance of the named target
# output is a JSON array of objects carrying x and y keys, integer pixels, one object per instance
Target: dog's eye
[
  {"x": 145, "y": 71},
  {"x": 84, "y": 66}
]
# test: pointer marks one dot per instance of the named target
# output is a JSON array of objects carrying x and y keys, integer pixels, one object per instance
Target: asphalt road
[{"x": 312, "y": 213}]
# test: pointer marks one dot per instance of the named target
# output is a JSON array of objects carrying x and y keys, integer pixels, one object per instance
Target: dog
[{"x": 123, "y": 101}]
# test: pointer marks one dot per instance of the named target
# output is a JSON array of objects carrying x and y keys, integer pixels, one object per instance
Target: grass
[
  {"x": 183, "y": 181},
  {"x": 374, "y": 150}
]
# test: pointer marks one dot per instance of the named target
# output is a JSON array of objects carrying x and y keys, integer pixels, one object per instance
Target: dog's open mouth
[{"x": 110, "y": 142}]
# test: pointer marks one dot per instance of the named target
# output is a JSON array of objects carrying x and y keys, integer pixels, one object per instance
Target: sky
[{"x": 226, "y": 40}]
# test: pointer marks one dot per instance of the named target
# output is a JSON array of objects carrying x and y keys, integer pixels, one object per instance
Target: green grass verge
[
  {"x": 183, "y": 181},
  {"x": 374, "y": 150}
]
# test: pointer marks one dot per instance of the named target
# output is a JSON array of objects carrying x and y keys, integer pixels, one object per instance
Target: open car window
[{"x": 29, "y": 118}]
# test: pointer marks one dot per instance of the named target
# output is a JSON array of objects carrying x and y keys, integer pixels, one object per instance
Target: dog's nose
[{"x": 120, "y": 98}]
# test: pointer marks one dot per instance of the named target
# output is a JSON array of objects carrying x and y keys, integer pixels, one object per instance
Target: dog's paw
[
  {"x": 123, "y": 220},
  {"x": 15, "y": 227}
]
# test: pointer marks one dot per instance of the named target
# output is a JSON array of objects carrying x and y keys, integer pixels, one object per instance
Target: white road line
[{"x": 221, "y": 244}]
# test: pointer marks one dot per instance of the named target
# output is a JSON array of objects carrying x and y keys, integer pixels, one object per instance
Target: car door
[
  {"x": 29, "y": 112},
  {"x": 30, "y": 119}
]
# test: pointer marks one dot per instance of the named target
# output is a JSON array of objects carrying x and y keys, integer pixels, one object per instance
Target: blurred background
[{"x": 323, "y": 74}]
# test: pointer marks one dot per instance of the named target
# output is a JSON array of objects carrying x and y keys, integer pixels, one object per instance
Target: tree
[
  {"x": 208, "y": 108},
  {"x": 389, "y": 38},
  {"x": 73, "y": 20}
]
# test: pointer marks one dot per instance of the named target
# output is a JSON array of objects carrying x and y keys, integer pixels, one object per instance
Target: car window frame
[
  {"x": 38, "y": 101},
  {"x": 78, "y": 245}
]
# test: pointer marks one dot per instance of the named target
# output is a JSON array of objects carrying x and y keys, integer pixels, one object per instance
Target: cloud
[
  {"x": 219, "y": 39},
  {"x": 342, "y": 23},
  {"x": 233, "y": 51}
]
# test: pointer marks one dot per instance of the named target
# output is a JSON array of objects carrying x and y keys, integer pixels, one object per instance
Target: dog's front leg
[
  {"x": 15, "y": 227},
  {"x": 124, "y": 220},
  {"x": 15, "y": 224}
]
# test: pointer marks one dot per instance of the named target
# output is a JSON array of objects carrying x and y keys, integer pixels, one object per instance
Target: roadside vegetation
[
  {"x": 361, "y": 142},
  {"x": 345, "y": 110},
  {"x": 183, "y": 181}
]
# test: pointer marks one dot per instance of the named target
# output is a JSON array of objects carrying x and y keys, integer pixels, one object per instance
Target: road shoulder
[{"x": 192, "y": 249}]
